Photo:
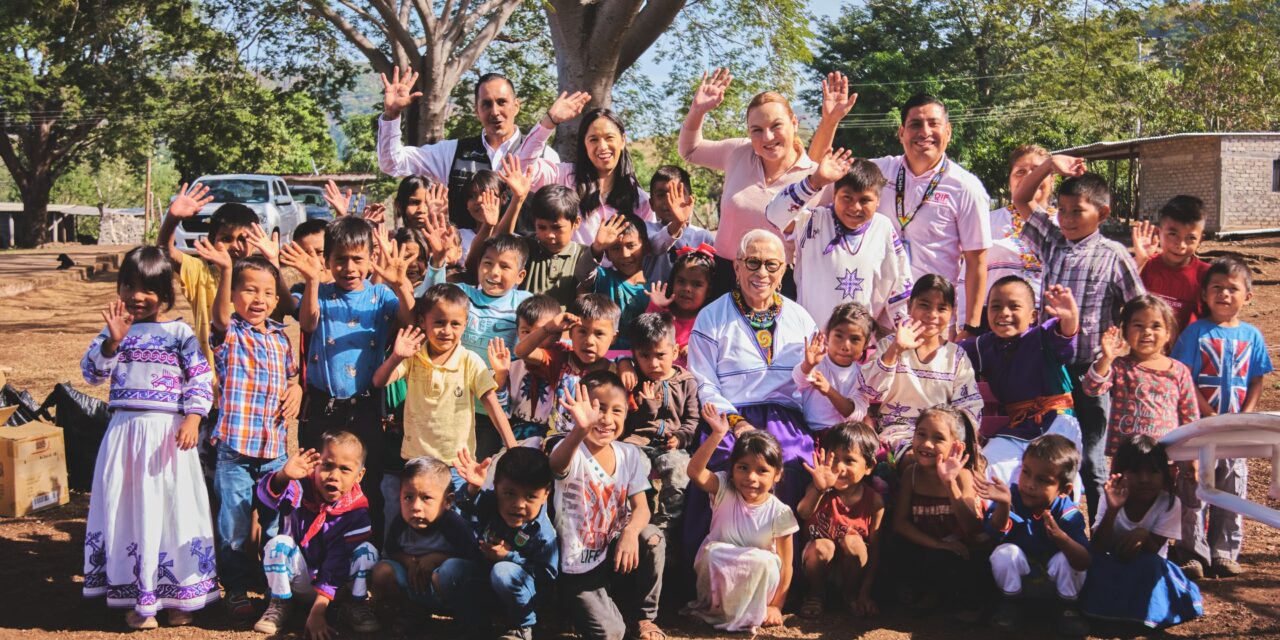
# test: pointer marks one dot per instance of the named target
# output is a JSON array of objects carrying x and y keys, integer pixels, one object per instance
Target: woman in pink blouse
[
  {"x": 602, "y": 173},
  {"x": 755, "y": 168}
]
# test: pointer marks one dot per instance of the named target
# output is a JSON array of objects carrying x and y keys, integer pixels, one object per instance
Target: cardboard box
[{"x": 33, "y": 469}]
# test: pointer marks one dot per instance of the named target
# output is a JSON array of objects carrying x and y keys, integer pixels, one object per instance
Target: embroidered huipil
[
  {"x": 1023, "y": 368},
  {"x": 835, "y": 264},
  {"x": 158, "y": 366},
  {"x": 254, "y": 367},
  {"x": 911, "y": 386}
]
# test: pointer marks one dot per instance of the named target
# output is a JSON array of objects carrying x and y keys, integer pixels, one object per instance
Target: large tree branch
[
  {"x": 397, "y": 29},
  {"x": 12, "y": 162},
  {"x": 648, "y": 26},
  {"x": 470, "y": 53},
  {"x": 353, "y": 35},
  {"x": 427, "y": 14},
  {"x": 654, "y": 19},
  {"x": 363, "y": 13}
]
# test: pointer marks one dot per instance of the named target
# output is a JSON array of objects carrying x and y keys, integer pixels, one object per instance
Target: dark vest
[{"x": 469, "y": 159}]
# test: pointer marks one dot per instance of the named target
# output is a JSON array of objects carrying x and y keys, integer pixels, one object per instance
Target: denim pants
[
  {"x": 469, "y": 588},
  {"x": 1092, "y": 412},
  {"x": 235, "y": 479}
]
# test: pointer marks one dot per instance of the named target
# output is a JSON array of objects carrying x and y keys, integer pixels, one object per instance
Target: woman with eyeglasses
[
  {"x": 742, "y": 351},
  {"x": 755, "y": 168}
]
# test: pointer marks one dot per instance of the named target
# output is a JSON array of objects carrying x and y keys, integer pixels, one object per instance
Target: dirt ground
[{"x": 44, "y": 333}]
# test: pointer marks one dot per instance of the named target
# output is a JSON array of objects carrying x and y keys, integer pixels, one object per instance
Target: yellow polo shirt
[
  {"x": 200, "y": 286},
  {"x": 439, "y": 405}
]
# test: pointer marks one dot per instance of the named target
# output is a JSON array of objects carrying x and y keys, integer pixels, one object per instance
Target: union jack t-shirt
[{"x": 1223, "y": 360}]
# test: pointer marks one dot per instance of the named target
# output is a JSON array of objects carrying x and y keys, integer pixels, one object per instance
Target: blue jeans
[
  {"x": 235, "y": 480},
  {"x": 468, "y": 587},
  {"x": 1092, "y": 412}
]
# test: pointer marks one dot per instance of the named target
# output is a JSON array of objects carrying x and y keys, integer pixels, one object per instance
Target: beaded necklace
[{"x": 761, "y": 321}]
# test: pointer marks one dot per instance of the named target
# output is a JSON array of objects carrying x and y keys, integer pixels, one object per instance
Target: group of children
[{"x": 483, "y": 419}]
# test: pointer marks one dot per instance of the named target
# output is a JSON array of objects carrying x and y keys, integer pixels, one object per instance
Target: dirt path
[{"x": 43, "y": 335}]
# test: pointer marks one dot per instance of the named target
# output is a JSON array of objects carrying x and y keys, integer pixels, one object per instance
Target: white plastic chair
[{"x": 1233, "y": 435}]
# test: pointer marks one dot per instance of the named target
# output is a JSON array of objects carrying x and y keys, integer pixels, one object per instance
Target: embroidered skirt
[{"x": 149, "y": 538}]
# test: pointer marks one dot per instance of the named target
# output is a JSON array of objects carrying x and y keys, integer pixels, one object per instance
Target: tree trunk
[{"x": 32, "y": 227}]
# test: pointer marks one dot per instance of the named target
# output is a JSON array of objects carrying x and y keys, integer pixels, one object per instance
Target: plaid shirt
[
  {"x": 254, "y": 367},
  {"x": 1098, "y": 271}
]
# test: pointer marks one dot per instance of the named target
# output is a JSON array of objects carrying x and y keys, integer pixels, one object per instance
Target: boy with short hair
[
  {"x": 349, "y": 320},
  {"x": 521, "y": 556},
  {"x": 1228, "y": 359},
  {"x": 310, "y": 237},
  {"x": 492, "y": 314},
  {"x": 602, "y": 516},
  {"x": 445, "y": 380},
  {"x": 557, "y": 264},
  {"x": 1101, "y": 276},
  {"x": 1039, "y": 528},
  {"x": 671, "y": 197},
  {"x": 530, "y": 397},
  {"x": 424, "y": 533},
  {"x": 844, "y": 252},
  {"x": 254, "y": 360},
  {"x": 1172, "y": 272},
  {"x": 665, "y": 411},
  {"x": 592, "y": 323},
  {"x": 324, "y": 536}
]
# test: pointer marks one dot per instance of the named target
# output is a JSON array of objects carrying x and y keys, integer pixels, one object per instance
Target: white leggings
[
  {"x": 287, "y": 571},
  {"x": 1009, "y": 563}
]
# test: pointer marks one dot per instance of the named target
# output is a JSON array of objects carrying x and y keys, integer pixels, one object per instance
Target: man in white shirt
[
  {"x": 941, "y": 211},
  {"x": 452, "y": 162}
]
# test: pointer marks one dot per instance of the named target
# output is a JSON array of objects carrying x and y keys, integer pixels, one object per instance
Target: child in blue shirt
[
  {"x": 1228, "y": 359},
  {"x": 349, "y": 320},
  {"x": 521, "y": 556},
  {"x": 494, "y": 300},
  {"x": 1040, "y": 531}
]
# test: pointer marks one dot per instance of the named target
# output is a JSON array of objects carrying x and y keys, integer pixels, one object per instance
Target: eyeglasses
[{"x": 754, "y": 264}]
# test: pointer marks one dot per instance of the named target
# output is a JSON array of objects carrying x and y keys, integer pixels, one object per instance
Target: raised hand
[
  {"x": 517, "y": 178},
  {"x": 680, "y": 201},
  {"x": 1146, "y": 241},
  {"x": 909, "y": 335},
  {"x": 837, "y": 102},
  {"x": 711, "y": 91},
  {"x": 834, "y": 166},
  {"x": 375, "y": 213},
  {"x": 562, "y": 323},
  {"x": 118, "y": 322},
  {"x": 489, "y": 207},
  {"x": 499, "y": 356},
  {"x": 305, "y": 262},
  {"x": 820, "y": 382},
  {"x": 301, "y": 464},
  {"x": 189, "y": 202},
  {"x": 438, "y": 198},
  {"x": 1070, "y": 166},
  {"x": 267, "y": 246},
  {"x": 992, "y": 490},
  {"x": 472, "y": 471},
  {"x": 823, "y": 470},
  {"x": 718, "y": 422},
  {"x": 398, "y": 93},
  {"x": 815, "y": 349},
  {"x": 1113, "y": 344},
  {"x": 1117, "y": 491},
  {"x": 567, "y": 106},
  {"x": 434, "y": 226},
  {"x": 338, "y": 199},
  {"x": 215, "y": 256},
  {"x": 658, "y": 294},
  {"x": 408, "y": 342},
  {"x": 584, "y": 411},
  {"x": 393, "y": 263},
  {"x": 648, "y": 390},
  {"x": 951, "y": 463},
  {"x": 1060, "y": 303},
  {"x": 609, "y": 232}
]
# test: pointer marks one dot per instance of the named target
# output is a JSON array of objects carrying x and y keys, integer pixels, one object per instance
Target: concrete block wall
[
  {"x": 1183, "y": 166},
  {"x": 1248, "y": 200}
]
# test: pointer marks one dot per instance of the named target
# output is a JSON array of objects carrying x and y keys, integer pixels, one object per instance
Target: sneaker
[
  {"x": 1224, "y": 568},
  {"x": 517, "y": 633},
  {"x": 359, "y": 616},
  {"x": 1006, "y": 616},
  {"x": 179, "y": 618},
  {"x": 238, "y": 605},
  {"x": 1193, "y": 569},
  {"x": 138, "y": 622},
  {"x": 274, "y": 618},
  {"x": 1070, "y": 623}
]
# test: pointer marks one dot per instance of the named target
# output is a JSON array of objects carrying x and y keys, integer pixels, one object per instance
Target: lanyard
[{"x": 900, "y": 188}]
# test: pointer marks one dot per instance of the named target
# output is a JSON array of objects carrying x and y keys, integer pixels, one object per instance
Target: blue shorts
[{"x": 427, "y": 599}]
